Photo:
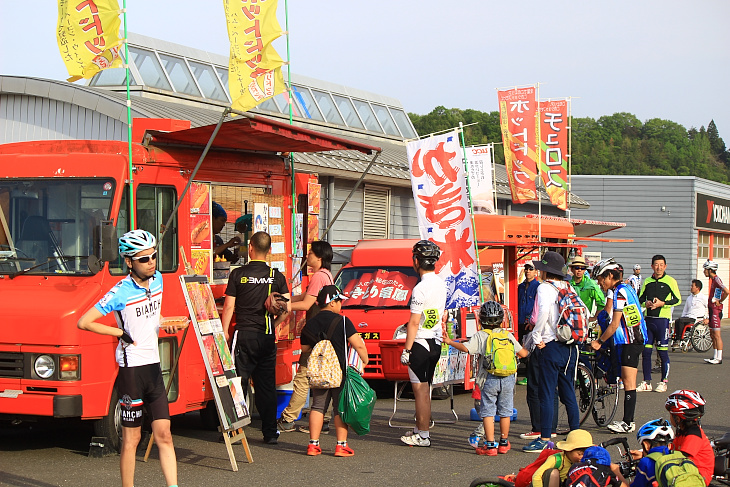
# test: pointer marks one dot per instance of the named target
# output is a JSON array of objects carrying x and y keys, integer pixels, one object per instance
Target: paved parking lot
[{"x": 56, "y": 455}]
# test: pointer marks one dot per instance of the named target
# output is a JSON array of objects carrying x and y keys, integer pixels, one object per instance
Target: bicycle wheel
[
  {"x": 701, "y": 340},
  {"x": 605, "y": 404},
  {"x": 490, "y": 482},
  {"x": 585, "y": 395}
]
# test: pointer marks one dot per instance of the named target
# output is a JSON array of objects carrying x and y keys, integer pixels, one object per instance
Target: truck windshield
[
  {"x": 47, "y": 226},
  {"x": 381, "y": 287}
]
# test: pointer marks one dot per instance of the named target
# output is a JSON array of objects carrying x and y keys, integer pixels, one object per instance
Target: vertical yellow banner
[
  {"x": 88, "y": 36},
  {"x": 254, "y": 72}
]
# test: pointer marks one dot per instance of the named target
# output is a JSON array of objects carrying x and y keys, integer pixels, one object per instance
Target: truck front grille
[{"x": 11, "y": 365}]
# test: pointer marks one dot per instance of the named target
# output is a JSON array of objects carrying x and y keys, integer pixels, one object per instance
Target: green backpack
[
  {"x": 676, "y": 470},
  {"x": 499, "y": 356}
]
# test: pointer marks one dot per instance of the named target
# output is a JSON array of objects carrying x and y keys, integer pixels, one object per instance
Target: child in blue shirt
[{"x": 654, "y": 437}]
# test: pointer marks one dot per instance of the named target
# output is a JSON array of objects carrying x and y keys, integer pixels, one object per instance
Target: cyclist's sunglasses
[
  {"x": 145, "y": 258},
  {"x": 579, "y": 268},
  {"x": 529, "y": 268}
]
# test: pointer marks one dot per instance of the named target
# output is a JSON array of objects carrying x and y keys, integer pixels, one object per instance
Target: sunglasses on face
[
  {"x": 580, "y": 268},
  {"x": 145, "y": 258},
  {"x": 528, "y": 268}
]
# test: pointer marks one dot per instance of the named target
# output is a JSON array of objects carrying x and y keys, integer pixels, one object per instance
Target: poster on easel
[{"x": 219, "y": 365}]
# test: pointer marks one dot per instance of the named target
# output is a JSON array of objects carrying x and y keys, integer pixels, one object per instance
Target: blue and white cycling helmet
[
  {"x": 655, "y": 428},
  {"x": 136, "y": 241}
]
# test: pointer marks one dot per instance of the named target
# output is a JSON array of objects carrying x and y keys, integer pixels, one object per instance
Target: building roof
[{"x": 391, "y": 167}]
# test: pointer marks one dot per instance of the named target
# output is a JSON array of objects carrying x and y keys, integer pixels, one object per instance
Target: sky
[{"x": 663, "y": 59}]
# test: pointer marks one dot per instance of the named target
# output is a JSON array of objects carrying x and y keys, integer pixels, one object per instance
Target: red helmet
[{"x": 685, "y": 404}]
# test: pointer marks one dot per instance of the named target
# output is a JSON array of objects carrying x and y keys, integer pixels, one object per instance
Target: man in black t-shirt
[{"x": 254, "y": 342}]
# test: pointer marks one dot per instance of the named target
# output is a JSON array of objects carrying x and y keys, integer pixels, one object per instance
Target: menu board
[
  {"x": 227, "y": 388},
  {"x": 201, "y": 238}
]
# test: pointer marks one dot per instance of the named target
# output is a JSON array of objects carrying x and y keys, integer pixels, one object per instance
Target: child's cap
[
  {"x": 576, "y": 439},
  {"x": 598, "y": 454}
]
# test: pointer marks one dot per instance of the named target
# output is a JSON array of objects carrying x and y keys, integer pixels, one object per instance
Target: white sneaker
[
  {"x": 713, "y": 361},
  {"x": 621, "y": 427},
  {"x": 644, "y": 387},
  {"x": 416, "y": 440},
  {"x": 661, "y": 387}
]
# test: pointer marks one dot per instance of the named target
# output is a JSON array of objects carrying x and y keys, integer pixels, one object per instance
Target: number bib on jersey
[
  {"x": 632, "y": 315},
  {"x": 431, "y": 318}
]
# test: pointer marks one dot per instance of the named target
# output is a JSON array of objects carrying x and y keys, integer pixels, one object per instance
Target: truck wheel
[
  {"x": 110, "y": 426},
  {"x": 209, "y": 417}
]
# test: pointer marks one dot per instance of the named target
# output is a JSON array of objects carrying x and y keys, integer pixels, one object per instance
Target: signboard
[
  {"x": 227, "y": 388},
  {"x": 381, "y": 288},
  {"x": 712, "y": 213}
]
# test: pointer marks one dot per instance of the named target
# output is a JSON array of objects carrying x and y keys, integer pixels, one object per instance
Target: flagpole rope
[
  {"x": 129, "y": 121},
  {"x": 471, "y": 211}
]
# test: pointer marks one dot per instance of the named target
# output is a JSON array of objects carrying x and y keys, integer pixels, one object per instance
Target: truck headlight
[{"x": 44, "y": 366}]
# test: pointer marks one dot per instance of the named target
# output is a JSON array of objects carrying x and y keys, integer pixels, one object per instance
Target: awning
[
  {"x": 585, "y": 228},
  {"x": 257, "y": 133}
]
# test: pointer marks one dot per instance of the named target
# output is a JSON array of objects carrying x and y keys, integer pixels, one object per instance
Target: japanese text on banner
[
  {"x": 254, "y": 72},
  {"x": 439, "y": 190},
  {"x": 554, "y": 147},
  {"x": 88, "y": 36},
  {"x": 519, "y": 127},
  {"x": 481, "y": 187}
]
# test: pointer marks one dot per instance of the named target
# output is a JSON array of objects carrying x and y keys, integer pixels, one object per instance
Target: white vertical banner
[
  {"x": 481, "y": 186},
  {"x": 442, "y": 205}
]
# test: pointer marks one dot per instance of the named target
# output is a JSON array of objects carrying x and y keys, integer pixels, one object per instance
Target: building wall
[
  {"x": 638, "y": 202},
  {"x": 24, "y": 118}
]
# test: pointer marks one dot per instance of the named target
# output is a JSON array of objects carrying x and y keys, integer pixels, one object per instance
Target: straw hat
[{"x": 578, "y": 260}]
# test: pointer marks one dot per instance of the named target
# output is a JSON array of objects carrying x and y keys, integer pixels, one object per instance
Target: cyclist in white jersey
[
  {"x": 423, "y": 337},
  {"x": 135, "y": 302}
]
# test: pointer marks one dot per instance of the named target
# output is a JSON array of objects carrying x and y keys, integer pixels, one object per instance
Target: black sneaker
[{"x": 274, "y": 440}]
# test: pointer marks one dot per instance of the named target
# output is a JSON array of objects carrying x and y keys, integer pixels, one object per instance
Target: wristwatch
[{"x": 600, "y": 342}]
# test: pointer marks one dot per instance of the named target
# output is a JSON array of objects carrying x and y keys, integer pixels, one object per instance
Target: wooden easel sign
[{"x": 230, "y": 402}]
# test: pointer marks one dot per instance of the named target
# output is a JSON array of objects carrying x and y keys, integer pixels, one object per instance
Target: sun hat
[
  {"x": 578, "y": 260},
  {"x": 576, "y": 439},
  {"x": 551, "y": 262},
  {"x": 598, "y": 454}
]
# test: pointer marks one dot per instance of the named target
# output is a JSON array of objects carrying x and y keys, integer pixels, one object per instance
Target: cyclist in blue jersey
[
  {"x": 135, "y": 302},
  {"x": 628, "y": 329}
]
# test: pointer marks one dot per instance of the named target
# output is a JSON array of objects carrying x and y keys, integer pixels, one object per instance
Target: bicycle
[
  {"x": 600, "y": 400},
  {"x": 721, "y": 447}
]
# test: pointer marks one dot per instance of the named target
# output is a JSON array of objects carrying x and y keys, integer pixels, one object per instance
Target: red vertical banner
[
  {"x": 554, "y": 150},
  {"x": 519, "y": 126}
]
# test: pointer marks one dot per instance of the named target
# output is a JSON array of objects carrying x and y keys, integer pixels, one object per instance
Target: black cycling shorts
[
  {"x": 630, "y": 354},
  {"x": 423, "y": 361},
  {"x": 141, "y": 387}
]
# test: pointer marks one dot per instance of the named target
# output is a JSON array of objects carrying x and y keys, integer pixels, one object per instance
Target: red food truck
[
  {"x": 504, "y": 243},
  {"x": 63, "y": 205}
]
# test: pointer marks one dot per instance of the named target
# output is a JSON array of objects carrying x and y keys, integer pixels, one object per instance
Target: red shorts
[{"x": 715, "y": 317}]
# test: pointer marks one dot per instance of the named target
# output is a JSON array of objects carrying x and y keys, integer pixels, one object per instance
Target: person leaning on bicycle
[{"x": 627, "y": 328}]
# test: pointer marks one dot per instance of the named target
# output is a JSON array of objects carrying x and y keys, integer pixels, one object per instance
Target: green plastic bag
[{"x": 357, "y": 401}]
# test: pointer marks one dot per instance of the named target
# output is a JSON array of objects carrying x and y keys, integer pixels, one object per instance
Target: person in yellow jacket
[
  {"x": 554, "y": 471},
  {"x": 659, "y": 293}
]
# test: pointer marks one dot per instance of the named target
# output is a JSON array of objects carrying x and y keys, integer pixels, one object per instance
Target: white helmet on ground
[
  {"x": 603, "y": 266},
  {"x": 136, "y": 241},
  {"x": 711, "y": 265}
]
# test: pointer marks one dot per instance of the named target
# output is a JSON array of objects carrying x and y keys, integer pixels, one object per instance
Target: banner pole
[
  {"x": 471, "y": 211},
  {"x": 570, "y": 153},
  {"x": 129, "y": 120},
  {"x": 494, "y": 179},
  {"x": 291, "y": 156},
  {"x": 539, "y": 164}
]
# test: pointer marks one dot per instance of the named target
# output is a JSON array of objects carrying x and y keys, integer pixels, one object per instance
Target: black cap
[{"x": 328, "y": 294}]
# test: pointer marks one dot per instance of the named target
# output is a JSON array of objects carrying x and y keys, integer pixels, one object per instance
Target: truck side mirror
[{"x": 106, "y": 241}]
